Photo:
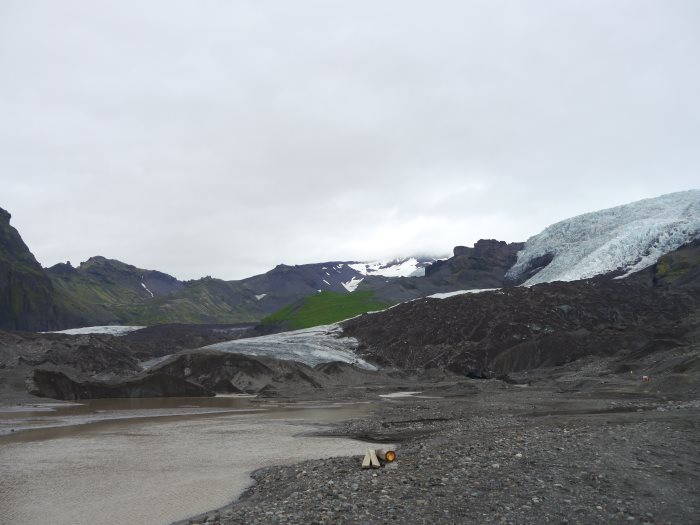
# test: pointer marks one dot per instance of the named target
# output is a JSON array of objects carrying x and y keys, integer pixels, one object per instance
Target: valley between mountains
[{"x": 553, "y": 380}]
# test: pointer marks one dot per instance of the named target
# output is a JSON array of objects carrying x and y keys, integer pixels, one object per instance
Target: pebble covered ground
[{"x": 488, "y": 452}]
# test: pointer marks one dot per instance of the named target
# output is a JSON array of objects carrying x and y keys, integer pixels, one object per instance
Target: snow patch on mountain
[
  {"x": 625, "y": 238},
  {"x": 146, "y": 288},
  {"x": 410, "y": 267},
  {"x": 352, "y": 284},
  {"x": 445, "y": 295}
]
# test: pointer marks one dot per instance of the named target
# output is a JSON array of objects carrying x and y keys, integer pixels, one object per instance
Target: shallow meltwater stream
[{"x": 144, "y": 461}]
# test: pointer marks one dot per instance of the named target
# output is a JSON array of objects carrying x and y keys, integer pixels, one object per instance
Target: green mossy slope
[{"x": 324, "y": 308}]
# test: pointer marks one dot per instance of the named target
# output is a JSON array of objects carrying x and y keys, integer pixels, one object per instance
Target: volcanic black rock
[
  {"x": 26, "y": 293},
  {"x": 516, "y": 329},
  {"x": 57, "y": 385}
]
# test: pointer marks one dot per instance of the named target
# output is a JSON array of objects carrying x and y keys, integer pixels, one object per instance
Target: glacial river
[{"x": 145, "y": 461}]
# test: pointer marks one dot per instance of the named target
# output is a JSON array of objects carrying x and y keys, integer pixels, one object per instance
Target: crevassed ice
[
  {"x": 630, "y": 238},
  {"x": 320, "y": 344}
]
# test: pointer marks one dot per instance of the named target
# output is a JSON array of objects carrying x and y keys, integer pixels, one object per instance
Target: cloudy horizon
[{"x": 221, "y": 139}]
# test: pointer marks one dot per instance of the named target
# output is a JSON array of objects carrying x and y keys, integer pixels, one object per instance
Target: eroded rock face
[
  {"x": 57, "y": 385},
  {"x": 93, "y": 355},
  {"x": 679, "y": 269},
  {"x": 26, "y": 292},
  {"x": 483, "y": 266},
  {"x": 225, "y": 372}
]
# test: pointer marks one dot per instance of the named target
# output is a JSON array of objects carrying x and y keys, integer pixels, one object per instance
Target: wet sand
[{"x": 155, "y": 469}]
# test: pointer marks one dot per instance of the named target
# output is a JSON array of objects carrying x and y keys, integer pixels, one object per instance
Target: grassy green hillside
[
  {"x": 205, "y": 300},
  {"x": 202, "y": 301},
  {"x": 106, "y": 291},
  {"x": 324, "y": 308}
]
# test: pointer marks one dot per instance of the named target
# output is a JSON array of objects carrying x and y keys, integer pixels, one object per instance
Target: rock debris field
[{"x": 486, "y": 451}]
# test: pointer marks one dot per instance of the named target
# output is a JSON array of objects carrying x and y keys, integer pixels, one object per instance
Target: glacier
[
  {"x": 116, "y": 330},
  {"x": 320, "y": 344},
  {"x": 625, "y": 238}
]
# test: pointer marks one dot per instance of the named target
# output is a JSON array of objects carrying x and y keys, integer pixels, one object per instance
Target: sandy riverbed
[{"x": 155, "y": 469}]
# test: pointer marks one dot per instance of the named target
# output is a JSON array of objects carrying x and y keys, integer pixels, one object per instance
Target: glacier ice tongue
[
  {"x": 109, "y": 330},
  {"x": 320, "y": 344},
  {"x": 625, "y": 238}
]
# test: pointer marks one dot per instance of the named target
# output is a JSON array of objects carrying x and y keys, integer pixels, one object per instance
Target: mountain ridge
[
  {"x": 101, "y": 291},
  {"x": 104, "y": 291}
]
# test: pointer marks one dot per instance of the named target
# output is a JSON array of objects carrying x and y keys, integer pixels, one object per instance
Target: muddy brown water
[{"x": 152, "y": 460}]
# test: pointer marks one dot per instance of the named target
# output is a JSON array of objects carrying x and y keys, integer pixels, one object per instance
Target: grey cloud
[{"x": 225, "y": 137}]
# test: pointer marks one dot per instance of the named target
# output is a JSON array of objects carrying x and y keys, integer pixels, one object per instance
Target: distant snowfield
[
  {"x": 392, "y": 268},
  {"x": 627, "y": 238},
  {"x": 312, "y": 346},
  {"x": 109, "y": 330},
  {"x": 445, "y": 295}
]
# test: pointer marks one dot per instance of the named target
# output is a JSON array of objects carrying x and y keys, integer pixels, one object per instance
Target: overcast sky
[{"x": 224, "y": 137}]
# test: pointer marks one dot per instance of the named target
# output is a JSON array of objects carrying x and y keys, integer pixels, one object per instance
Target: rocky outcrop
[
  {"x": 97, "y": 360},
  {"x": 58, "y": 385},
  {"x": 146, "y": 283},
  {"x": 483, "y": 266},
  {"x": 107, "y": 291},
  {"x": 26, "y": 293},
  {"x": 679, "y": 268},
  {"x": 226, "y": 372},
  {"x": 93, "y": 355}
]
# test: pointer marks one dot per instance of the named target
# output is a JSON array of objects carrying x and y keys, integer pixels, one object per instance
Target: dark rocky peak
[
  {"x": 12, "y": 246},
  {"x": 499, "y": 252},
  {"x": 95, "y": 259},
  {"x": 482, "y": 266},
  {"x": 282, "y": 268},
  {"x": 489, "y": 248},
  {"x": 110, "y": 270},
  {"x": 533, "y": 266},
  {"x": 101, "y": 271},
  {"x": 26, "y": 293},
  {"x": 65, "y": 269},
  {"x": 102, "y": 265},
  {"x": 98, "y": 261}
]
